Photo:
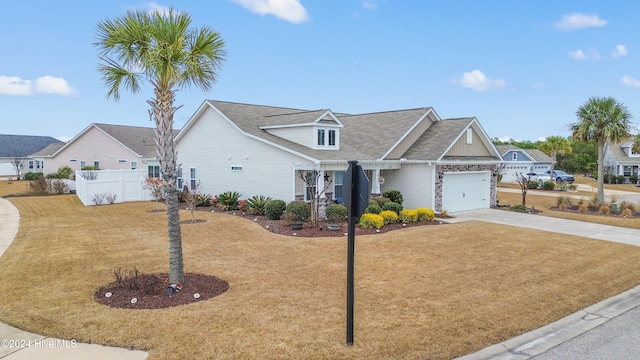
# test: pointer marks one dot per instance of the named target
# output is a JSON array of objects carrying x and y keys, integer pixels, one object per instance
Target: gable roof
[
  {"x": 533, "y": 154},
  {"x": 619, "y": 154},
  {"x": 369, "y": 136},
  {"x": 139, "y": 140},
  {"x": 24, "y": 145}
]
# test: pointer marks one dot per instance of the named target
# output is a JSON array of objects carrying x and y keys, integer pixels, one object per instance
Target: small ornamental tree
[
  {"x": 312, "y": 179},
  {"x": 192, "y": 198},
  {"x": 523, "y": 182},
  {"x": 155, "y": 186}
]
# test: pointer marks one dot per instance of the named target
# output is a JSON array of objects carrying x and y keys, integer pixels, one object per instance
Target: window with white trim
[
  {"x": 83, "y": 164},
  {"x": 96, "y": 165},
  {"x": 154, "y": 171},
  {"x": 192, "y": 177},
  {"x": 134, "y": 165},
  {"x": 179, "y": 178},
  {"x": 326, "y": 138},
  {"x": 338, "y": 181},
  {"x": 321, "y": 137}
]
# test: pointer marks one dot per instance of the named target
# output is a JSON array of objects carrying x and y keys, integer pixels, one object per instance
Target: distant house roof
[
  {"x": 535, "y": 154},
  {"x": 140, "y": 140},
  {"x": 24, "y": 145},
  {"x": 619, "y": 154}
]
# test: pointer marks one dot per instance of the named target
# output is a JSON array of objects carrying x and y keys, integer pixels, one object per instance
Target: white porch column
[
  {"x": 375, "y": 188},
  {"x": 320, "y": 185}
]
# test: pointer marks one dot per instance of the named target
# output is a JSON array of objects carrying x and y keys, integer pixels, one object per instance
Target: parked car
[
  {"x": 539, "y": 177},
  {"x": 560, "y": 176}
]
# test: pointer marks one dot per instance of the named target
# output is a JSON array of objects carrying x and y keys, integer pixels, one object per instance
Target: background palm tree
[
  {"x": 603, "y": 120},
  {"x": 553, "y": 146},
  {"x": 162, "y": 49}
]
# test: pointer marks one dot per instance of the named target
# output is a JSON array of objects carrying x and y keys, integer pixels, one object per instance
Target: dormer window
[{"x": 326, "y": 138}]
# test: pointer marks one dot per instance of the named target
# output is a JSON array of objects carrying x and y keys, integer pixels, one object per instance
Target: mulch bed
[{"x": 149, "y": 291}]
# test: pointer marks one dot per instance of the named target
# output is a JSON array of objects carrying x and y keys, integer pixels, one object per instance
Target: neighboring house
[
  {"x": 264, "y": 150},
  {"x": 17, "y": 148},
  {"x": 523, "y": 161},
  {"x": 113, "y": 147},
  {"x": 619, "y": 159}
]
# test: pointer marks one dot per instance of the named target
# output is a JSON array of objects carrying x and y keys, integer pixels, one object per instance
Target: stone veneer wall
[{"x": 463, "y": 168}]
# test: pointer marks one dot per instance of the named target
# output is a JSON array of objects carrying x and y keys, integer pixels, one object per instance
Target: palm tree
[
  {"x": 603, "y": 120},
  {"x": 553, "y": 146},
  {"x": 162, "y": 49}
]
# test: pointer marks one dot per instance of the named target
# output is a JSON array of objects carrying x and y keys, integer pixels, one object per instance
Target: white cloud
[
  {"x": 505, "y": 138},
  {"x": 289, "y": 10},
  {"x": 13, "y": 85},
  {"x": 577, "y": 55},
  {"x": 629, "y": 81},
  {"x": 578, "y": 21},
  {"x": 53, "y": 85},
  {"x": 620, "y": 50},
  {"x": 64, "y": 138},
  {"x": 581, "y": 55},
  {"x": 478, "y": 81}
]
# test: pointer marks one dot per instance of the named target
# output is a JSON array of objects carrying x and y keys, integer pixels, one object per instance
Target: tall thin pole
[{"x": 351, "y": 250}]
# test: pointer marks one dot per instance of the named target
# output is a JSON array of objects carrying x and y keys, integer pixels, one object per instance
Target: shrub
[
  {"x": 444, "y": 213},
  {"x": 274, "y": 209},
  {"x": 393, "y": 206},
  {"x": 382, "y": 200},
  {"x": 58, "y": 186},
  {"x": 633, "y": 178},
  {"x": 520, "y": 208},
  {"x": 228, "y": 201},
  {"x": 627, "y": 212},
  {"x": 97, "y": 198},
  {"x": 32, "y": 175},
  {"x": 257, "y": 203},
  {"x": 372, "y": 201},
  {"x": 371, "y": 221},
  {"x": 110, "y": 198},
  {"x": 604, "y": 209},
  {"x": 533, "y": 184},
  {"x": 548, "y": 185},
  {"x": 393, "y": 195},
  {"x": 298, "y": 210},
  {"x": 64, "y": 172},
  {"x": 40, "y": 185},
  {"x": 389, "y": 216},
  {"x": 621, "y": 179},
  {"x": 582, "y": 208},
  {"x": 373, "y": 209},
  {"x": 563, "y": 186},
  {"x": 561, "y": 200},
  {"x": 203, "y": 200},
  {"x": 626, "y": 205},
  {"x": 408, "y": 215},
  {"x": 563, "y": 206},
  {"x": 336, "y": 213},
  {"x": 573, "y": 187},
  {"x": 425, "y": 214}
]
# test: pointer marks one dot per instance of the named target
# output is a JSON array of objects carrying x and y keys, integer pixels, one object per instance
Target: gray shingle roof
[
  {"x": 49, "y": 150},
  {"x": 364, "y": 136},
  {"x": 619, "y": 154},
  {"x": 23, "y": 145},
  {"x": 140, "y": 140},
  {"x": 437, "y": 139},
  {"x": 535, "y": 154}
]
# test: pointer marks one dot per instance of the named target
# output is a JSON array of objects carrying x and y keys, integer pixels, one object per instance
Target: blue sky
[{"x": 522, "y": 68}]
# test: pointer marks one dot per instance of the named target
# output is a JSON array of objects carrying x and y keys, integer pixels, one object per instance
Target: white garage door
[{"x": 465, "y": 191}]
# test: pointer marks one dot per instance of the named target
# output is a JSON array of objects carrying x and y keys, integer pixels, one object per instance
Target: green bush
[
  {"x": 203, "y": 200},
  {"x": 298, "y": 210},
  {"x": 425, "y": 214},
  {"x": 336, "y": 213},
  {"x": 274, "y": 209},
  {"x": 393, "y": 206},
  {"x": 371, "y": 221},
  {"x": 382, "y": 200},
  {"x": 393, "y": 195},
  {"x": 633, "y": 178},
  {"x": 64, "y": 172},
  {"x": 32, "y": 175},
  {"x": 548, "y": 185},
  {"x": 621, "y": 179},
  {"x": 373, "y": 209},
  {"x": 533, "y": 184},
  {"x": 91, "y": 168},
  {"x": 408, "y": 215},
  {"x": 389, "y": 216},
  {"x": 257, "y": 203},
  {"x": 228, "y": 200}
]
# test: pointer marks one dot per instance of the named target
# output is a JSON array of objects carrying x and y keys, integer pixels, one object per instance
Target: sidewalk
[
  {"x": 582, "y": 334},
  {"x": 16, "y": 344}
]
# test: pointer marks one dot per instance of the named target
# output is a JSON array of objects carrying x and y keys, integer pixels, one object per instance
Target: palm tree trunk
[
  {"x": 600, "y": 172},
  {"x": 163, "y": 113}
]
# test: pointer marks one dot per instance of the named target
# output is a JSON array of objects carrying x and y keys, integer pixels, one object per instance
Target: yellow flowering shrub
[
  {"x": 389, "y": 216},
  {"x": 370, "y": 221},
  {"x": 408, "y": 215},
  {"x": 425, "y": 214}
]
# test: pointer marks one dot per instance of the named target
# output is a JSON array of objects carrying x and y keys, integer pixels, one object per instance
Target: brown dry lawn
[{"x": 432, "y": 292}]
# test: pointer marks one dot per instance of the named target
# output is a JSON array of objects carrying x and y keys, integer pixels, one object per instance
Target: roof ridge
[
  {"x": 386, "y": 111},
  {"x": 257, "y": 105},
  {"x": 129, "y": 126},
  {"x": 296, "y": 113}
]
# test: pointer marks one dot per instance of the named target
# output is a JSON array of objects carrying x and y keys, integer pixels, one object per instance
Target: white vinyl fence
[{"x": 111, "y": 186}]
